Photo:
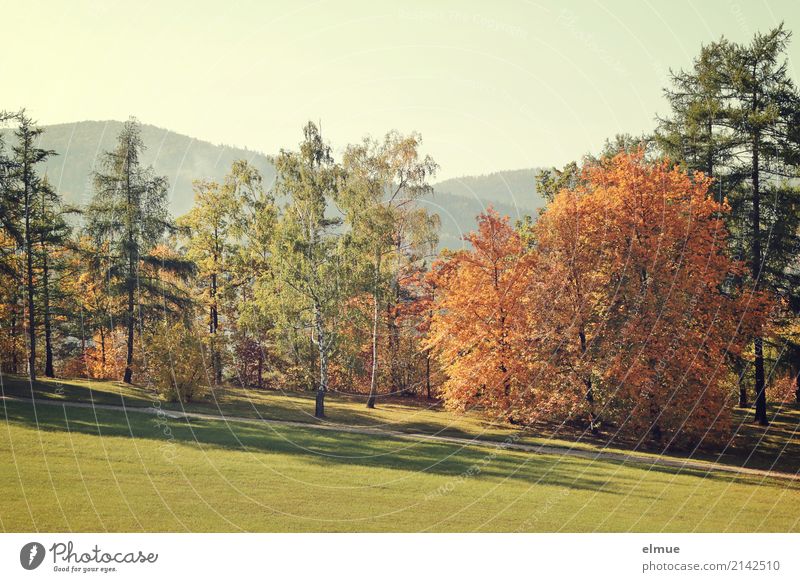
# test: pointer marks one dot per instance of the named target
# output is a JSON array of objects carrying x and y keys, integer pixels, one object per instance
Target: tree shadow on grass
[
  {"x": 332, "y": 445},
  {"x": 324, "y": 448},
  {"x": 233, "y": 402}
]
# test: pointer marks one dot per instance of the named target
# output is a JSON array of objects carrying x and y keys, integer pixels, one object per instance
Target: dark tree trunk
[
  {"x": 29, "y": 281},
  {"x": 14, "y": 334},
  {"x": 742, "y": 393},
  {"x": 260, "y": 367},
  {"x": 710, "y": 152},
  {"x": 83, "y": 350},
  {"x": 48, "y": 333},
  {"x": 655, "y": 427},
  {"x": 740, "y": 367},
  {"x": 131, "y": 282},
  {"x": 761, "y": 394},
  {"x": 213, "y": 324},
  {"x": 128, "y": 377},
  {"x": 758, "y": 344},
  {"x": 319, "y": 410}
]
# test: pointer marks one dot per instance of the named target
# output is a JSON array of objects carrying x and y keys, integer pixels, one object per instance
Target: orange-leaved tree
[
  {"x": 479, "y": 329},
  {"x": 645, "y": 294}
]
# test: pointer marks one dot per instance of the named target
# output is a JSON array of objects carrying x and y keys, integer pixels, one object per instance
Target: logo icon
[{"x": 31, "y": 555}]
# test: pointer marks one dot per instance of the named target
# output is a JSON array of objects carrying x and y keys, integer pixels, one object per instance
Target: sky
[{"x": 489, "y": 85}]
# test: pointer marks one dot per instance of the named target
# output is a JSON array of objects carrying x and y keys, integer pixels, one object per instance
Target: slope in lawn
[
  {"x": 773, "y": 448},
  {"x": 67, "y": 469}
]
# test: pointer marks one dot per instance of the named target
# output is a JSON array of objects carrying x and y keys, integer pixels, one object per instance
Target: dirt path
[{"x": 632, "y": 458}]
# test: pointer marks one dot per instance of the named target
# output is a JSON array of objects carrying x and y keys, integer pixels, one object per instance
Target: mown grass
[
  {"x": 774, "y": 448},
  {"x": 76, "y": 469}
]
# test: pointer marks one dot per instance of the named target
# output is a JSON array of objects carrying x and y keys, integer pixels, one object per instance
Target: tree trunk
[
  {"x": 589, "y": 394},
  {"x": 373, "y": 383},
  {"x": 29, "y": 277},
  {"x": 129, "y": 357},
  {"x": 428, "y": 374},
  {"x": 740, "y": 375},
  {"x": 260, "y": 367},
  {"x": 14, "y": 334},
  {"x": 758, "y": 344},
  {"x": 797, "y": 387},
  {"x": 213, "y": 324},
  {"x": 131, "y": 282},
  {"x": 761, "y": 393},
  {"x": 48, "y": 333},
  {"x": 319, "y": 411},
  {"x": 103, "y": 347},
  {"x": 83, "y": 348},
  {"x": 742, "y": 393},
  {"x": 655, "y": 428}
]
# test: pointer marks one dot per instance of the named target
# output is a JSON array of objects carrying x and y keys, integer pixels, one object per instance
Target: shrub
[{"x": 177, "y": 365}]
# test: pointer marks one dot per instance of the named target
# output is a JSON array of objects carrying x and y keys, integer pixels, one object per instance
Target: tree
[
  {"x": 52, "y": 233},
  {"x": 735, "y": 116},
  {"x": 612, "y": 307},
  {"x": 384, "y": 181},
  {"x": 313, "y": 264},
  {"x": 26, "y": 185},
  {"x": 10, "y": 268},
  {"x": 255, "y": 226},
  {"x": 176, "y": 364},
  {"x": 129, "y": 213},
  {"x": 209, "y": 227},
  {"x": 635, "y": 263},
  {"x": 8, "y": 208},
  {"x": 693, "y": 133},
  {"x": 89, "y": 290},
  {"x": 481, "y": 322},
  {"x": 571, "y": 241}
]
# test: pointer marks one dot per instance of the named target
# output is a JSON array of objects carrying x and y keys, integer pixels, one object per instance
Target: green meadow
[{"x": 64, "y": 468}]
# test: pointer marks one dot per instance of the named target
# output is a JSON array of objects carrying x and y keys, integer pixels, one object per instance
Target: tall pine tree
[
  {"x": 735, "y": 116},
  {"x": 129, "y": 213}
]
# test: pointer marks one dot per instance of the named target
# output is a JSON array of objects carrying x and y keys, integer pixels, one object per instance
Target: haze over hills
[
  {"x": 183, "y": 159},
  {"x": 178, "y": 157},
  {"x": 514, "y": 188}
]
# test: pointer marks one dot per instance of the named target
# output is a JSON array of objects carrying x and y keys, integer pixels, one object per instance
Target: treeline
[
  {"x": 315, "y": 282},
  {"x": 657, "y": 289}
]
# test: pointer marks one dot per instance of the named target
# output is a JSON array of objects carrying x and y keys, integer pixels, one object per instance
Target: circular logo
[{"x": 31, "y": 555}]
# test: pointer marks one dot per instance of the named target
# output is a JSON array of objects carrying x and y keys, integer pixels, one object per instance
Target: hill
[
  {"x": 182, "y": 159},
  {"x": 179, "y": 157},
  {"x": 513, "y": 188}
]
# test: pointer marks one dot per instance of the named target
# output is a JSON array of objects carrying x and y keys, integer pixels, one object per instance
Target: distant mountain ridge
[
  {"x": 183, "y": 159},
  {"x": 513, "y": 188},
  {"x": 179, "y": 157}
]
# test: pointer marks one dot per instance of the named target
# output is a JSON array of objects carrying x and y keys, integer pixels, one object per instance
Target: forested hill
[
  {"x": 514, "y": 188},
  {"x": 183, "y": 158},
  {"x": 179, "y": 157}
]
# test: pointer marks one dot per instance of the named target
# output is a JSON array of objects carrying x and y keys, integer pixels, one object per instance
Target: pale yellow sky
[{"x": 490, "y": 85}]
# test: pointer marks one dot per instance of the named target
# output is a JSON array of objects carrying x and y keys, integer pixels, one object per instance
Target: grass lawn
[
  {"x": 71, "y": 469},
  {"x": 775, "y": 448}
]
